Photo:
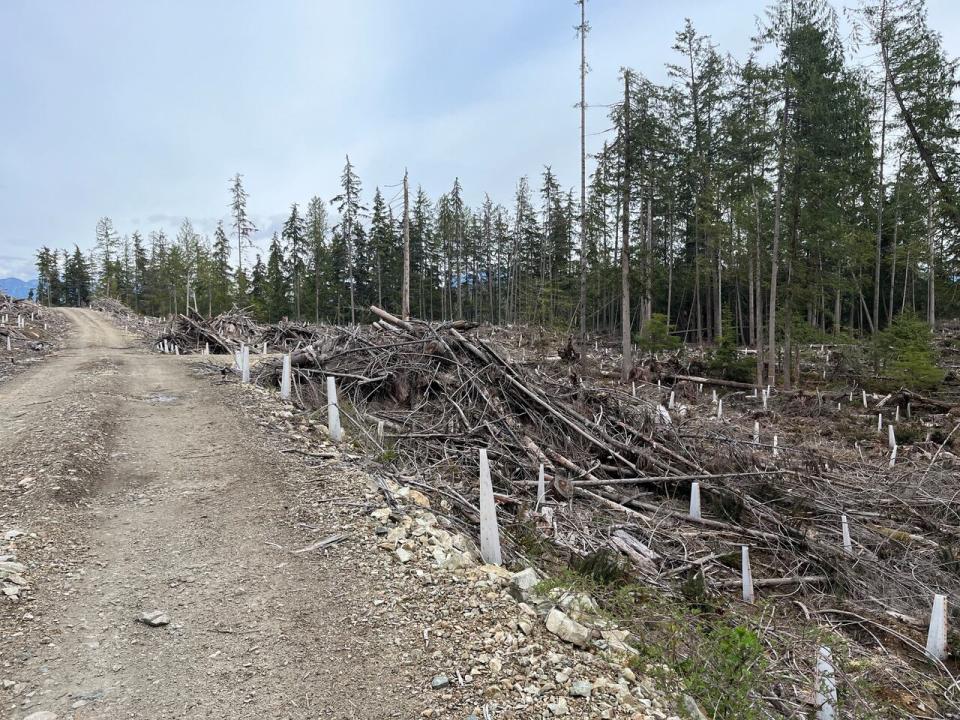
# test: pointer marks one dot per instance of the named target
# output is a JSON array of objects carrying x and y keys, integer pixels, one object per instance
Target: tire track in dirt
[{"x": 177, "y": 503}]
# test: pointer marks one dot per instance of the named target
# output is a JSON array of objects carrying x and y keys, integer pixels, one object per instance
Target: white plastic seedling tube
[
  {"x": 670, "y": 401},
  {"x": 893, "y": 456},
  {"x": 489, "y": 530},
  {"x": 713, "y": 396},
  {"x": 720, "y": 409},
  {"x": 756, "y": 432},
  {"x": 766, "y": 396},
  {"x": 908, "y": 411},
  {"x": 333, "y": 410},
  {"x": 541, "y": 487},
  {"x": 845, "y": 532},
  {"x": 634, "y": 389},
  {"x": 206, "y": 348},
  {"x": 380, "y": 432},
  {"x": 746, "y": 573},
  {"x": 896, "y": 414},
  {"x": 9, "y": 349},
  {"x": 245, "y": 371},
  {"x": 776, "y": 443},
  {"x": 264, "y": 349},
  {"x": 937, "y": 634},
  {"x": 879, "y": 422},
  {"x": 891, "y": 437},
  {"x": 864, "y": 392},
  {"x": 825, "y": 697},
  {"x": 285, "y": 378},
  {"x": 695, "y": 501}
]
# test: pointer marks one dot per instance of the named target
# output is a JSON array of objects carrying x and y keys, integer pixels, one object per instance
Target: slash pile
[
  {"x": 619, "y": 468},
  {"x": 225, "y": 333}
]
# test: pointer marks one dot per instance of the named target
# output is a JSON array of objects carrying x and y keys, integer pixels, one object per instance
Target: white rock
[
  {"x": 525, "y": 579},
  {"x": 11, "y": 568},
  {"x": 381, "y": 514},
  {"x": 457, "y": 559},
  {"x": 396, "y": 536},
  {"x": 566, "y": 628},
  {"x": 616, "y": 641},
  {"x": 581, "y": 688},
  {"x": 154, "y": 618},
  {"x": 578, "y": 604},
  {"x": 42, "y": 715}
]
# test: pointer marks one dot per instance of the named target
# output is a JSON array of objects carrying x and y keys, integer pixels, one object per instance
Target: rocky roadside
[
  {"x": 510, "y": 651},
  {"x": 476, "y": 641},
  {"x": 499, "y": 646}
]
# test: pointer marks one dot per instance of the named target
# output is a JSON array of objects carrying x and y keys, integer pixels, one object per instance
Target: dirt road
[{"x": 146, "y": 491}]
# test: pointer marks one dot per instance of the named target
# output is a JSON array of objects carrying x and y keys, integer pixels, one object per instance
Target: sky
[{"x": 143, "y": 111}]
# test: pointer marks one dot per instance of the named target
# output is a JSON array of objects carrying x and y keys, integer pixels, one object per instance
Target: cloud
[
  {"x": 138, "y": 110},
  {"x": 18, "y": 267}
]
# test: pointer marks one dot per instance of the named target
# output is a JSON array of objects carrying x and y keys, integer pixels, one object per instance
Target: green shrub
[
  {"x": 725, "y": 362},
  {"x": 726, "y": 672},
  {"x": 656, "y": 335},
  {"x": 907, "y": 356}
]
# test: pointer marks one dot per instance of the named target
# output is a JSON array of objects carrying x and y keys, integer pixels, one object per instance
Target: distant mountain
[{"x": 17, "y": 288}]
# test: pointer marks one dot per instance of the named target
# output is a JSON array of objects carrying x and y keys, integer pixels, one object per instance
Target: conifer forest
[{"x": 807, "y": 189}]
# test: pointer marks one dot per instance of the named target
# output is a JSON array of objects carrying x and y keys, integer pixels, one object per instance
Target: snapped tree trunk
[
  {"x": 626, "y": 340},
  {"x": 775, "y": 251},
  {"x": 405, "y": 290},
  {"x": 880, "y": 199}
]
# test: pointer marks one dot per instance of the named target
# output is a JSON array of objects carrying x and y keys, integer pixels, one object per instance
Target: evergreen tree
[
  {"x": 139, "y": 267},
  {"x": 351, "y": 233},
  {"x": 324, "y": 275},
  {"x": 107, "y": 246},
  {"x": 76, "y": 279},
  {"x": 243, "y": 226},
  {"x": 276, "y": 291},
  {"x": 221, "y": 282},
  {"x": 255, "y": 288},
  {"x": 295, "y": 239},
  {"x": 384, "y": 245}
]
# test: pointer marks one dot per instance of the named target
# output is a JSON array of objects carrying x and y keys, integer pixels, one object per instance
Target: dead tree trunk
[
  {"x": 583, "y": 170},
  {"x": 626, "y": 341},
  {"x": 405, "y": 302},
  {"x": 880, "y": 197},
  {"x": 931, "y": 265},
  {"x": 893, "y": 248},
  {"x": 775, "y": 251}
]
